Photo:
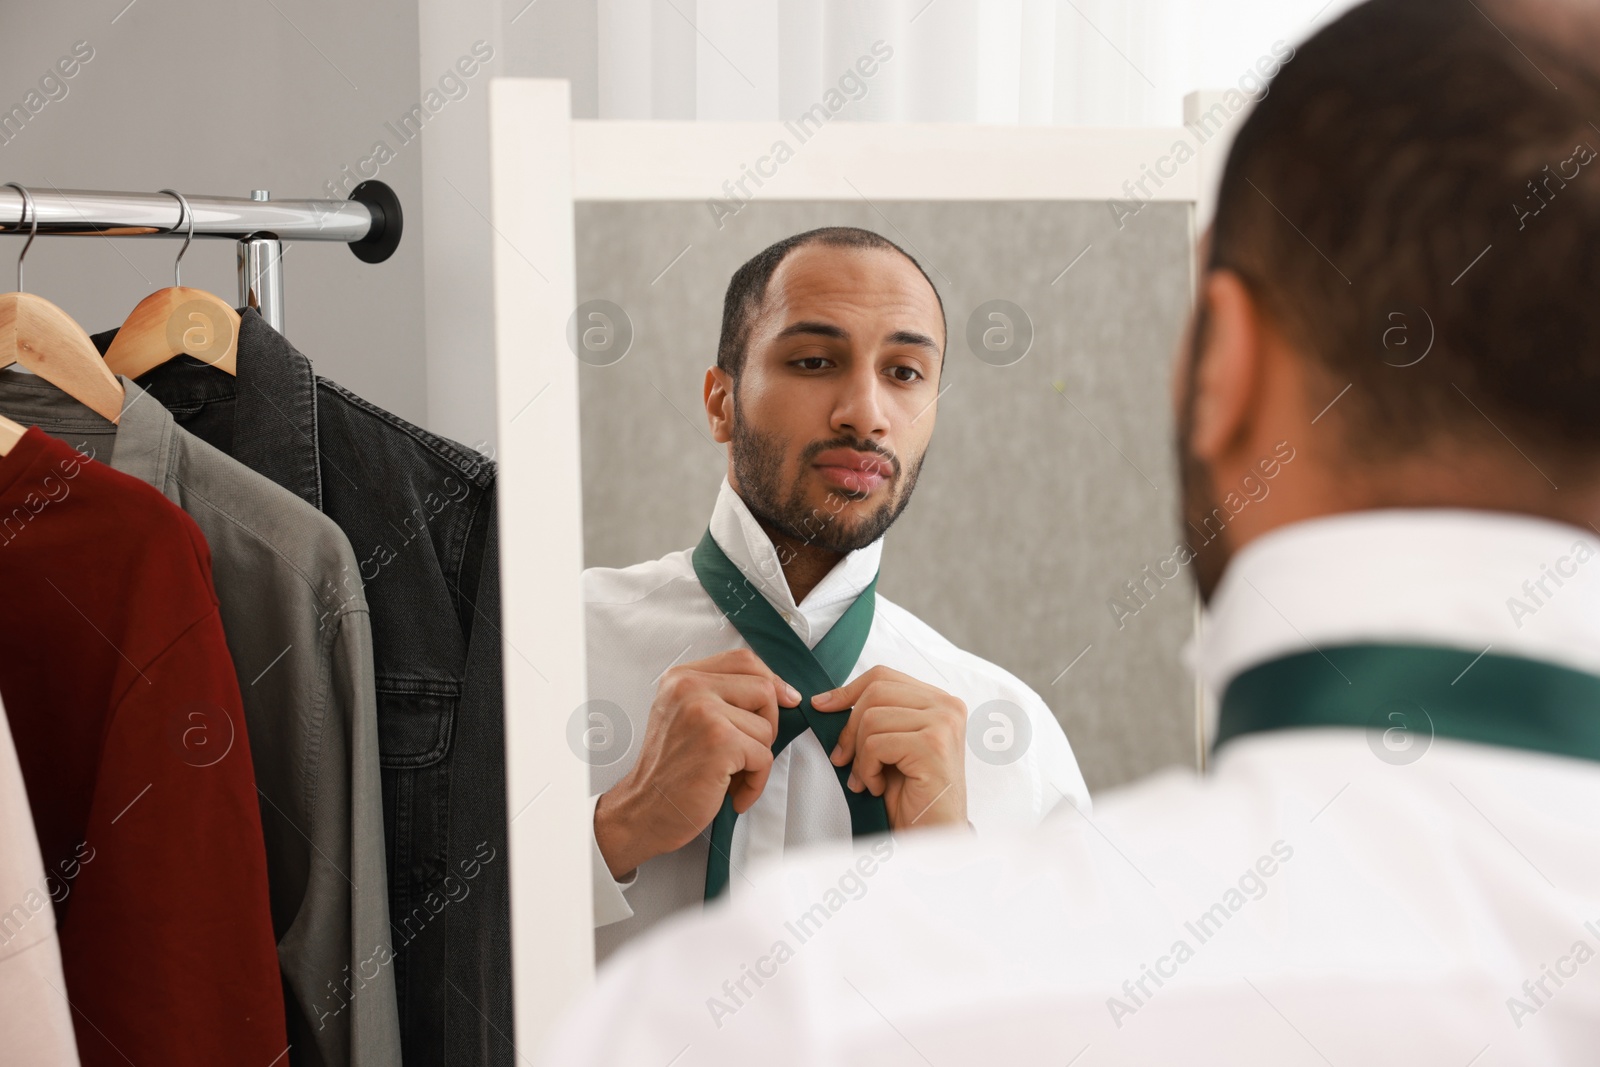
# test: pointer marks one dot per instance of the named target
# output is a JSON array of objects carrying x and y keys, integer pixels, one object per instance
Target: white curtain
[{"x": 1070, "y": 62}]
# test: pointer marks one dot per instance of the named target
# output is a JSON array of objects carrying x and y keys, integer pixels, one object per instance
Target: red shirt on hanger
[{"x": 125, "y": 710}]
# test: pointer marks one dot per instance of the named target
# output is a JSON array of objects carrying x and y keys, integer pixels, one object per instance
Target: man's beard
[
  {"x": 1199, "y": 491},
  {"x": 758, "y": 466}
]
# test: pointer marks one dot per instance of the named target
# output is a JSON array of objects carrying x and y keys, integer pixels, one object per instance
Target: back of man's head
[{"x": 1424, "y": 177}]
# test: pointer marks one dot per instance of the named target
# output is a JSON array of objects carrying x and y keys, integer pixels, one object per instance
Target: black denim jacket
[{"x": 419, "y": 511}]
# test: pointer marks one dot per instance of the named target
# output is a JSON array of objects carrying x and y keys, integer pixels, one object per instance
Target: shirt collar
[
  {"x": 749, "y": 548},
  {"x": 275, "y": 422},
  {"x": 29, "y": 399},
  {"x": 1438, "y": 576},
  {"x": 146, "y": 436},
  {"x": 144, "y": 432}
]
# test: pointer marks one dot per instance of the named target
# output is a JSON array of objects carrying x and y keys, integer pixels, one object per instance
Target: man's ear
[
  {"x": 1227, "y": 382},
  {"x": 719, "y": 404}
]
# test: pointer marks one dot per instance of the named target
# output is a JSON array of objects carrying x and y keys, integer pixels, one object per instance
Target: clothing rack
[{"x": 370, "y": 222}]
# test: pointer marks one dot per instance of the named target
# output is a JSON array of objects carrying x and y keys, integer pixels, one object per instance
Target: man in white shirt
[
  {"x": 1396, "y": 857},
  {"x": 825, "y": 390}
]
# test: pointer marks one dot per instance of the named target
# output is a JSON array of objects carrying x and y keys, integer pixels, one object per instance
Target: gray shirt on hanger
[{"x": 297, "y": 627}]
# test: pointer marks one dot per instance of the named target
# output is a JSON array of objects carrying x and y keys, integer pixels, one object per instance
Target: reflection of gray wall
[{"x": 1049, "y": 482}]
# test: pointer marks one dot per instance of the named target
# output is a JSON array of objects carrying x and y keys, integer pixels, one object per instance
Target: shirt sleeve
[
  {"x": 33, "y": 1005},
  {"x": 610, "y": 899},
  {"x": 169, "y": 932},
  {"x": 374, "y": 1027},
  {"x": 1060, "y": 781}
]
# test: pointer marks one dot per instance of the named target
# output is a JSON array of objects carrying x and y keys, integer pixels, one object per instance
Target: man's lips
[{"x": 858, "y": 472}]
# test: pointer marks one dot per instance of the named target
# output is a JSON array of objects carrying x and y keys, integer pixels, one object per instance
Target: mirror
[{"x": 1038, "y": 537}]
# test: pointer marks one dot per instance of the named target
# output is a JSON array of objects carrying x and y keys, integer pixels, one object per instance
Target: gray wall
[
  {"x": 547, "y": 39},
  {"x": 223, "y": 98},
  {"x": 1030, "y": 512}
]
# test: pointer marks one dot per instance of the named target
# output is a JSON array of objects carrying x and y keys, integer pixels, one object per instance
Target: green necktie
[
  {"x": 1491, "y": 699},
  {"x": 811, "y": 671}
]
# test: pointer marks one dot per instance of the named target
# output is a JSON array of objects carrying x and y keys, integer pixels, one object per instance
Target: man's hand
[
  {"x": 710, "y": 734},
  {"x": 907, "y": 740}
]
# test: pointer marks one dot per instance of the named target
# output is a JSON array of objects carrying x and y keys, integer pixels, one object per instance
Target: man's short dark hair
[
  {"x": 747, "y": 290},
  {"x": 1414, "y": 175}
]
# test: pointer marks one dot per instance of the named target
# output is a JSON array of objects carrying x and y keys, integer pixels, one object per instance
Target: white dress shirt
[
  {"x": 34, "y": 1017},
  {"x": 646, "y": 618},
  {"x": 1308, "y": 902}
]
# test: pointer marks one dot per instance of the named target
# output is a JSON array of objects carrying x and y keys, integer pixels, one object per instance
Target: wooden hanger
[
  {"x": 177, "y": 321},
  {"x": 10, "y": 434},
  {"x": 47, "y": 341}
]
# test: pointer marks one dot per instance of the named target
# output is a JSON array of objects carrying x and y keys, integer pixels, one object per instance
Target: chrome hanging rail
[{"x": 370, "y": 222}]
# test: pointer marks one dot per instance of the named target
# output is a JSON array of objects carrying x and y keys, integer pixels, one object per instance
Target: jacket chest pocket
[{"x": 416, "y": 720}]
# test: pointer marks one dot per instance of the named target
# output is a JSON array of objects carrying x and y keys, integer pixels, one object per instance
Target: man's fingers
[
  {"x": 905, "y": 694},
  {"x": 752, "y": 691},
  {"x": 881, "y": 750},
  {"x": 746, "y": 786},
  {"x": 742, "y": 661},
  {"x": 758, "y": 728},
  {"x": 867, "y": 722},
  {"x": 749, "y": 703},
  {"x": 850, "y": 693},
  {"x": 868, "y": 718}
]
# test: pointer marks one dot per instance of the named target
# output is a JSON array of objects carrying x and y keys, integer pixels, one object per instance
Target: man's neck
[
  {"x": 1465, "y": 478},
  {"x": 804, "y": 564}
]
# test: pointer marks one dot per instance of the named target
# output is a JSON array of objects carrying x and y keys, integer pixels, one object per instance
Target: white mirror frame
[{"x": 541, "y": 163}]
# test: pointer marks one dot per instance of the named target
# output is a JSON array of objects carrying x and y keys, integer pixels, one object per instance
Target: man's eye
[
  {"x": 810, "y": 362},
  {"x": 912, "y": 371}
]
